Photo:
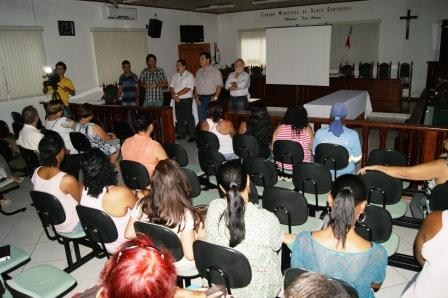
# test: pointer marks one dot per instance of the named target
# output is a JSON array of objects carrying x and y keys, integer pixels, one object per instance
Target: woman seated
[
  {"x": 50, "y": 179},
  {"x": 337, "y": 251},
  {"x": 101, "y": 192},
  {"x": 96, "y": 135},
  {"x": 295, "y": 127},
  {"x": 62, "y": 125},
  {"x": 259, "y": 125},
  {"x": 169, "y": 204},
  {"x": 255, "y": 232},
  {"x": 141, "y": 147},
  {"x": 435, "y": 172},
  {"x": 223, "y": 129},
  {"x": 430, "y": 251}
]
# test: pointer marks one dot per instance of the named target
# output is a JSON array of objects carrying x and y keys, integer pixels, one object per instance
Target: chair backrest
[
  {"x": 261, "y": 171},
  {"x": 176, "y": 152},
  {"x": 16, "y": 128},
  {"x": 207, "y": 140},
  {"x": 122, "y": 130},
  {"x": 245, "y": 146},
  {"x": 438, "y": 198},
  {"x": 222, "y": 265},
  {"x": 31, "y": 159},
  {"x": 311, "y": 178},
  {"x": 365, "y": 70},
  {"x": 292, "y": 274},
  {"x": 48, "y": 207},
  {"x": 110, "y": 94},
  {"x": 387, "y": 157},
  {"x": 6, "y": 150},
  {"x": 381, "y": 188},
  {"x": 162, "y": 237},
  {"x": 210, "y": 161},
  {"x": 80, "y": 142},
  {"x": 347, "y": 70},
  {"x": 135, "y": 175},
  {"x": 289, "y": 206},
  {"x": 4, "y": 130},
  {"x": 97, "y": 225},
  {"x": 377, "y": 226},
  {"x": 288, "y": 152},
  {"x": 383, "y": 70},
  {"x": 334, "y": 157},
  {"x": 16, "y": 117},
  {"x": 405, "y": 73},
  {"x": 193, "y": 180}
]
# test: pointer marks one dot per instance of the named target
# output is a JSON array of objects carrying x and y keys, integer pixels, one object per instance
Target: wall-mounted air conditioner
[{"x": 120, "y": 13}]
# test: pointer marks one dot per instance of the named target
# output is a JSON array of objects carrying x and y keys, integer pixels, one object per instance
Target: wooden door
[{"x": 190, "y": 53}]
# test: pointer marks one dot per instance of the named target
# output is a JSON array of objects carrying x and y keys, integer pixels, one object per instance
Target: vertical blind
[
  {"x": 112, "y": 46},
  {"x": 253, "y": 47},
  {"x": 22, "y": 58}
]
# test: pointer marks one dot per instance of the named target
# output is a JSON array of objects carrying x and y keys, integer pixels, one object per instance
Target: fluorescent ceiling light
[
  {"x": 217, "y": 6},
  {"x": 268, "y": 1}
]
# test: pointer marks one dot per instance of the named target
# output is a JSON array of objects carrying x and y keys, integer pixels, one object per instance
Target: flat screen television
[{"x": 191, "y": 33}]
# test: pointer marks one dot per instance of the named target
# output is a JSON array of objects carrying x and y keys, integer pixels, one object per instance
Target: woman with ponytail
[
  {"x": 50, "y": 179},
  {"x": 337, "y": 251},
  {"x": 237, "y": 223}
]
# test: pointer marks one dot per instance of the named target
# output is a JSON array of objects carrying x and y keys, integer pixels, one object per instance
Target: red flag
[{"x": 347, "y": 41}]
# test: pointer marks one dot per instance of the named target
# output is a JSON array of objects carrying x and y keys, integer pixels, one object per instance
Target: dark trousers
[
  {"x": 184, "y": 117},
  {"x": 238, "y": 103},
  {"x": 203, "y": 106}
]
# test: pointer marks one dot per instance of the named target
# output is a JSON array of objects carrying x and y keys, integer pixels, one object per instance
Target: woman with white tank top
[{"x": 223, "y": 129}]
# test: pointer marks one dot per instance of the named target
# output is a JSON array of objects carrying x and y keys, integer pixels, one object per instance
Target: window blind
[{"x": 253, "y": 47}]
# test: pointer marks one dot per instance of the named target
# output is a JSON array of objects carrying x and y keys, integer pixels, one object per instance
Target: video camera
[{"x": 53, "y": 79}]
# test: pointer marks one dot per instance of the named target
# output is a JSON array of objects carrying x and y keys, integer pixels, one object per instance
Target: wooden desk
[{"x": 385, "y": 95}]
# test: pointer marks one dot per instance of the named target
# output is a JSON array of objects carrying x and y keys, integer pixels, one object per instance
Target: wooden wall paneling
[{"x": 190, "y": 53}]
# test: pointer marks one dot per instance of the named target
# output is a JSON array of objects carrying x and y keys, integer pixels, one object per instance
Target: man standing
[
  {"x": 181, "y": 90},
  {"x": 208, "y": 84},
  {"x": 30, "y": 136},
  {"x": 65, "y": 87},
  {"x": 128, "y": 86},
  {"x": 153, "y": 79}
]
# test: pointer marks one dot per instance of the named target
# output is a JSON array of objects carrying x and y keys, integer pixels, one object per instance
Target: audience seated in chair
[
  {"x": 337, "y": 133},
  {"x": 50, "y": 179},
  {"x": 169, "y": 203},
  {"x": 98, "y": 138},
  {"x": 259, "y": 125},
  {"x": 30, "y": 136},
  {"x": 256, "y": 233},
  {"x": 295, "y": 127},
  {"x": 141, "y": 147},
  {"x": 313, "y": 285},
  {"x": 101, "y": 192},
  {"x": 434, "y": 172},
  {"x": 431, "y": 253},
  {"x": 223, "y": 129},
  {"x": 7, "y": 136},
  {"x": 62, "y": 125},
  {"x": 337, "y": 251}
]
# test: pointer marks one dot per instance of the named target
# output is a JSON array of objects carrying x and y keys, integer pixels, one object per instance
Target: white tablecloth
[{"x": 356, "y": 101}]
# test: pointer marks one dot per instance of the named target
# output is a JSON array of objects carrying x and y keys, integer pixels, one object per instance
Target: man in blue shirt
[
  {"x": 337, "y": 133},
  {"x": 128, "y": 85}
]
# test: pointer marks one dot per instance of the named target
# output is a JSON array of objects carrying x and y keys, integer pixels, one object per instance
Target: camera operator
[{"x": 64, "y": 88}]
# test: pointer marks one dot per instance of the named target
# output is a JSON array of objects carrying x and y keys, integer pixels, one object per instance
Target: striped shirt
[
  {"x": 129, "y": 83},
  {"x": 287, "y": 133}
]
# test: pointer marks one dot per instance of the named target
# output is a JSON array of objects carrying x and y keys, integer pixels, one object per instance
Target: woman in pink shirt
[{"x": 141, "y": 147}]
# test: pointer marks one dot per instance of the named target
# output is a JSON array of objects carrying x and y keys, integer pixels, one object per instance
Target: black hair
[
  {"x": 348, "y": 191},
  {"x": 84, "y": 111},
  {"x": 259, "y": 123},
  {"x": 232, "y": 177},
  {"x": 125, "y": 62},
  {"x": 182, "y": 61},
  {"x": 50, "y": 146},
  {"x": 143, "y": 121},
  {"x": 214, "y": 111},
  {"x": 29, "y": 114},
  {"x": 151, "y": 56},
  {"x": 60, "y": 63},
  {"x": 206, "y": 55},
  {"x": 297, "y": 117},
  {"x": 98, "y": 172}
]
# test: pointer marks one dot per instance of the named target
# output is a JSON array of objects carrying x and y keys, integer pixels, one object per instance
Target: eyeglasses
[{"x": 150, "y": 247}]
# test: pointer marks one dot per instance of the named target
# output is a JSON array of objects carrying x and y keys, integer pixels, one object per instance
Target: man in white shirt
[
  {"x": 30, "y": 136},
  {"x": 238, "y": 83},
  {"x": 181, "y": 89}
]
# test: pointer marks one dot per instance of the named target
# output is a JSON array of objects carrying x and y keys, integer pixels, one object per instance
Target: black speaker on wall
[{"x": 155, "y": 28}]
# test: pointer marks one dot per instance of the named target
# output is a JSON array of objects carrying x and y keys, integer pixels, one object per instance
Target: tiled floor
[{"x": 24, "y": 230}]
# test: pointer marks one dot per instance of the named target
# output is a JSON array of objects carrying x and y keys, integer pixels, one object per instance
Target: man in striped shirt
[
  {"x": 153, "y": 79},
  {"x": 128, "y": 85}
]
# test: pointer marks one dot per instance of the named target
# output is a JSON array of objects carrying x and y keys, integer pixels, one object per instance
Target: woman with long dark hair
[
  {"x": 237, "y": 223},
  {"x": 259, "y": 125},
  {"x": 337, "y": 251}
]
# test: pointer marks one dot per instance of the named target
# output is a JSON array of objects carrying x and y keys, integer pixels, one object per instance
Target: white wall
[
  {"x": 78, "y": 52},
  {"x": 422, "y": 45}
]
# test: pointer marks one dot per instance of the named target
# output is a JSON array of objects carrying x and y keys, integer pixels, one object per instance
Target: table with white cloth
[{"x": 356, "y": 101}]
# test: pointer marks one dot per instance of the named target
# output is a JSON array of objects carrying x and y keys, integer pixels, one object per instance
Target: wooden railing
[
  {"x": 109, "y": 114},
  {"x": 419, "y": 143}
]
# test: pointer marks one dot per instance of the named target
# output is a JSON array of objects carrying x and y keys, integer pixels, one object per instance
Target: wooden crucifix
[{"x": 408, "y": 19}]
